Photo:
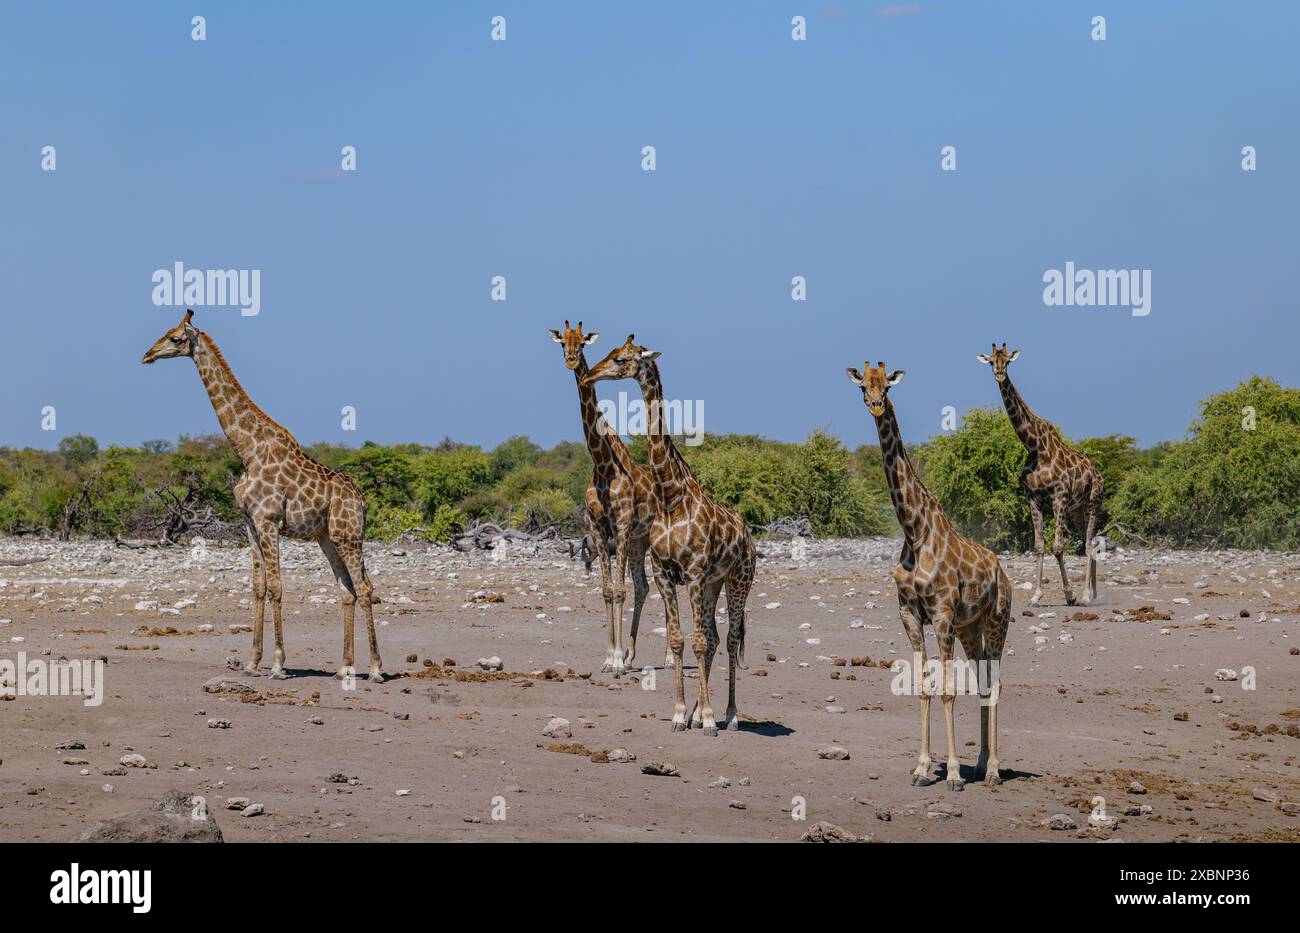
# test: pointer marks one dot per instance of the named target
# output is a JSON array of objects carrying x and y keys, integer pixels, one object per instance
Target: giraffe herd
[{"x": 943, "y": 579}]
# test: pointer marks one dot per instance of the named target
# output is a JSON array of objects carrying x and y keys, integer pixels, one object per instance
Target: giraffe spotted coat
[
  {"x": 1054, "y": 477},
  {"x": 282, "y": 492},
  {"x": 946, "y": 581}
]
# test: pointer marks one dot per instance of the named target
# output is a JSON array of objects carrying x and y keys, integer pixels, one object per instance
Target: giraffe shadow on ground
[
  {"x": 296, "y": 672},
  {"x": 767, "y": 728},
  {"x": 968, "y": 774}
]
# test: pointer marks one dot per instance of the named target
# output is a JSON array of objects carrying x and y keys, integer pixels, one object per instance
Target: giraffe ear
[
  {"x": 590, "y": 338},
  {"x": 855, "y": 377},
  {"x": 1012, "y": 357},
  {"x": 896, "y": 377},
  {"x": 982, "y": 358},
  {"x": 557, "y": 337},
  {"x": 649, "y": 354}
]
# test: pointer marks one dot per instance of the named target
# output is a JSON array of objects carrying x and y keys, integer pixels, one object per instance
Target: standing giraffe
[
  {"x": 694, "y": 540},
  {"x": 619, "y": 506},
  {"x": 947, "y": 581},
  {"x": 282, "y": 491},
  {"x": 1054, "y": 474}
]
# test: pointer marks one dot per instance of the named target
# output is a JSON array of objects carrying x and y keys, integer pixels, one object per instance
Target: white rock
[{"x": 558, "y": 728}]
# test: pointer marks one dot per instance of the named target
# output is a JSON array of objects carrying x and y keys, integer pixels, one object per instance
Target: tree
[
  {"x": 1235, "y": 480},
  {"x": 78, "y": 450}
]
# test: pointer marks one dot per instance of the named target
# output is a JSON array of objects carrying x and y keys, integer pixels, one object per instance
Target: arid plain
[{"x": 1129, "y": 700}]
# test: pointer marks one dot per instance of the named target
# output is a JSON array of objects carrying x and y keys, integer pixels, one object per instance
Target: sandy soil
[{"x": 1088, "y": 706}]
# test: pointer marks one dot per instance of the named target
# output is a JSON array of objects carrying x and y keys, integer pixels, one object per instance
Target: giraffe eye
[{"x": 176, "y": 340}]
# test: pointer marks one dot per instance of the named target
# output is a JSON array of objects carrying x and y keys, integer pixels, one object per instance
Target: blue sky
[{"x": 522, "y": 158}]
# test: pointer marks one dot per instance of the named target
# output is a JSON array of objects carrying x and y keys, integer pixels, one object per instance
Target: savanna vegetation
[{"x": 1233, "y": 481}]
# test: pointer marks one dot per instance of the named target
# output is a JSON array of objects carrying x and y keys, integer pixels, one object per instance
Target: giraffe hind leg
[
  {"x": 347, "y": 667},
  {"x": 737, "y": 592}
]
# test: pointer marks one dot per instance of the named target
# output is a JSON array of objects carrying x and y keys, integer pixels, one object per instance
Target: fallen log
[{"x": 23, "y": 562}]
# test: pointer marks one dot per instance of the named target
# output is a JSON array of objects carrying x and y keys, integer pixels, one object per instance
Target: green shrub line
[{"x": 1233, "y": 481}]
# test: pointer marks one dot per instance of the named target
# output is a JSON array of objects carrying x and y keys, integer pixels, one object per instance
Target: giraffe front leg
[
  {"x": 618, "y": 659},
  {"x": 944, "y": 632},
  {"x": 640, "y": 587},
  {"x": 259, "y": 604},
  {"x": 1090, "y": 545},
  {"x": 704, "y": 641},
  {"x": 676, "y": 645},
  {"x": 972, "y": 642},
  {"x": 607, "y": 593},
  {"x": 1058, "y": 547},
  {"x": 1036, "y": 515},
  {"x": 270, "y": 540},
  {"x": 916, "y": 635}
]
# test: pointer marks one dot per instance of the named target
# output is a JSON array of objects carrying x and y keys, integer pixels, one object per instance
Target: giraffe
[
  {"x": 619, "y": 506},
  {"x": 1055, "y": 475},
  {"x": 947, "y": 581},
  {"x": 694, "y": 541},
  {"x": 282, "y": 492}
]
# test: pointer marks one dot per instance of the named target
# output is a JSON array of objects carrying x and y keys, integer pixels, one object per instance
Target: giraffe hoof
[
  {"x": 710, "y": 730},
  {"x": 278, "y": 675},
  {"x": 607, "y": 666},
  {"x": 679, "y": 727},
  {"x": 251, "y": 672},
  {"x": 922, "y": 780},
  {"x": 733, "y": 724},
  {"x": 993, "y": 779},
  {"x": 377, "y": 677},
  {"x": 956, "y": 784}
]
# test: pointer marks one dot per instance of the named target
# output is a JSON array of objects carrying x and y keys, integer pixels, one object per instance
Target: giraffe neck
[
  {"x": 240, "y": 418},
  {"x": 604, "y": 445},
  {"x": 1024, "y": 421},
  {"x": 912, "y": 501},
  {"x": 671, "y": 475}
]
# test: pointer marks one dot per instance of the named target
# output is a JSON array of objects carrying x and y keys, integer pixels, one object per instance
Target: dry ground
[{"x": 1089, "y": 704}]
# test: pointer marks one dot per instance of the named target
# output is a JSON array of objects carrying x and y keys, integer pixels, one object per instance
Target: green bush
[
  {"x": 1235, "y": 480},
  {"x": 1228, "y": 483},
  {"x": 445, "y": 477},
  {"x": 974, "y": 472},
  {"x": 754, "y": 482},
  {"x": 837, "y": 502}
]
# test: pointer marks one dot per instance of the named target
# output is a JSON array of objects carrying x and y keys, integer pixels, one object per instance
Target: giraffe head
[
  {"x": 573, "y": 340},
  {"x": 178, "y": 341},
  {"x": 622, "y": 362},
  {"x": 875, "y": 385},
  {"x": 999, "y": 360}
]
